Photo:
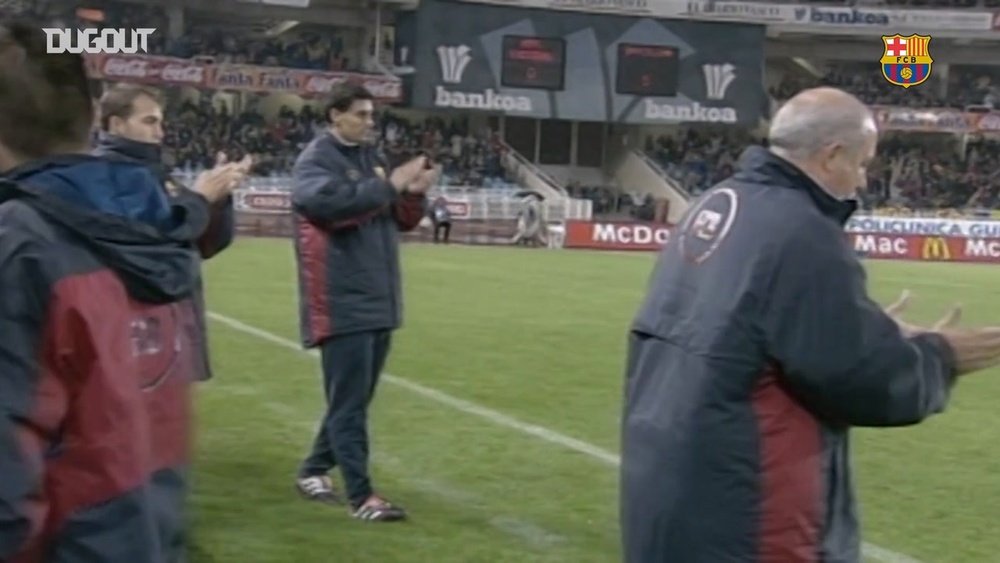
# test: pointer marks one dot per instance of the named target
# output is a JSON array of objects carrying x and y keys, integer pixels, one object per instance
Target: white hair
[{"x": 800, "y": 130}]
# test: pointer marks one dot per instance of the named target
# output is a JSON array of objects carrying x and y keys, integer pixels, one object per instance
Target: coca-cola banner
[{"x": 168, "y": 71}]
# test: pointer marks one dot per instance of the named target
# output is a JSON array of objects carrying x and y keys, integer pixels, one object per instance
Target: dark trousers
[
  {"x": 438, "y": 227},
  {"x": 351, "y": 367}
]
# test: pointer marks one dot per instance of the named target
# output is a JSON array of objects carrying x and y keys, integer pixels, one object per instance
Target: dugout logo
[
  {"x": 935, "y": 248},
  {"x": 95, "y": 41}
]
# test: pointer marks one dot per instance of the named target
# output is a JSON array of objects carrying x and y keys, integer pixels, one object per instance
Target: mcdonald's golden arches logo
[{"x": 936, "y": 248}]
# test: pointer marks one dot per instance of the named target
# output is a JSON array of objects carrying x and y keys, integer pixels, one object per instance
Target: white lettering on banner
[
  {"x": 94, "y": 41},
  {"x": 922, "y": 226},
  {"x": 691, "y": 113},
  {"x": 181, "y": 73},
  {"x": 982, "y": 248},
  {"x": 740, "y": 10},
  {"x": 789, "y": 14},
  {"x": 882, "y": 246},
  {"x": 263, "y": 201},
  {"x": 630, "y": 234},
  {"x": 627, "y": 6},
  {"x": 488, "y": 100},
  {"x": 125, "y": 68},
  {"x": 842, "y": 16}
]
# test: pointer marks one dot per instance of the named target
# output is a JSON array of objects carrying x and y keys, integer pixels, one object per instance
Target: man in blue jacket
[
  {"x": 758, "y": 348},
  {"x": 349, "y": 211},
  {"x": 131, "y": 130}
]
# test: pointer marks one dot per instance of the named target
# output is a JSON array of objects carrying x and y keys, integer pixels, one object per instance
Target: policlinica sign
[{"x": 93, "y": 41}]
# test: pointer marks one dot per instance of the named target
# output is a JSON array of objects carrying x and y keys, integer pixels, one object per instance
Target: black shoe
[
  {"x": 318, "y": 488},
  {"x": 377, "y": 509}
]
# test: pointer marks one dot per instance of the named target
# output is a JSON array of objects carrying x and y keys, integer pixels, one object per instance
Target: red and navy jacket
[
  {"x": 755, "y": 351},
  {"x": 101, "y": 342},
  {"x": 348, "y": 218}
]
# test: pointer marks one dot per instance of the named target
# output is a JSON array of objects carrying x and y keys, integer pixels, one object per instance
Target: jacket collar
[{"x": 761, "y": 166}]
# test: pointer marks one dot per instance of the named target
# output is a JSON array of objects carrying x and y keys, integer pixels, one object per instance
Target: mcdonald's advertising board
[{"x": 625, "y": 235}]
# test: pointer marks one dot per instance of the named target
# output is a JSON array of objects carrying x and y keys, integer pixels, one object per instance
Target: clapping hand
[{"x": 975, "y": 349}]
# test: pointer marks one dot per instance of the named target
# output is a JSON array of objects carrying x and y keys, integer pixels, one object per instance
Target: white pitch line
[
  {"x": 871, "y": 551},
  {"x": 524, "y": 530}
]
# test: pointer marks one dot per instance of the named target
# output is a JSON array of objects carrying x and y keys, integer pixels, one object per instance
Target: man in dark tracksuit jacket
[
  {"x": 101, "y": 340},
  {"x": 348, "y": 215},
  {"x": 755, "y": 351}
]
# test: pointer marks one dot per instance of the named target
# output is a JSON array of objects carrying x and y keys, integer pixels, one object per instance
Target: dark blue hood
[
  {"x": 109, "y": 145},
  {"x": 126, "y": 189},
  {"x": 120, "y": 213}
]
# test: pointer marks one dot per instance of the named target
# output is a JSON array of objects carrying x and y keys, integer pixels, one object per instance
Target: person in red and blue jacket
[
  {"x": 348, "y": 212},
  {"x": 101, "y": 337}
]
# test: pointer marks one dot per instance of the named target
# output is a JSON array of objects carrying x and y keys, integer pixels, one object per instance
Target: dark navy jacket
[
  {"x": 222, "y": 225},
  {"x": 348, "y": 220},
  {"x": 101, "y": 341},
  {"x": 754, "y": 353}
]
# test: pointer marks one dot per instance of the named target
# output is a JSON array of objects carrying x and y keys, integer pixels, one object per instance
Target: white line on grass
[
  {"x": 524, "y": 530},
  {"x": 872, "y": 551}
]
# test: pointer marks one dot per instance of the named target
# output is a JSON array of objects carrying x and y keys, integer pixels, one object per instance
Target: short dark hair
[
  {"x": 343, "y": 95},
  {"x": 45, "y": 101},
  {"x": 119, "y": 100}
]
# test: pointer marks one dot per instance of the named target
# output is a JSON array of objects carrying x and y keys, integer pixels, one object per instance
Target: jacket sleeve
[
  {"x": 840, "y": 353},
  {"x": 409, "y": 210},
  {"x": 22, "y": 317},
  {"x": 221, "y": 229},
  {"x": 325, "y": 196}
]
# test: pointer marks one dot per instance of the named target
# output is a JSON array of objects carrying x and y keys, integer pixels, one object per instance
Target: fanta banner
[
  {"x": 936, "y": 120},
  {"x": 168, "y": 71}
]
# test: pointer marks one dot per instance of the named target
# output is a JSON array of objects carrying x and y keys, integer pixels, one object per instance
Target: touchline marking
[
  {"x": 524, "y": 530},
  {"x": 871, "y": 551}
]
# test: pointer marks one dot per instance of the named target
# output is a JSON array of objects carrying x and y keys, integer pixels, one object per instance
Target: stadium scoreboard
[
  {"x": 533, "y": 62},
  {"x": 647, "y": 70},
  {"x": 540, "y": 63}
]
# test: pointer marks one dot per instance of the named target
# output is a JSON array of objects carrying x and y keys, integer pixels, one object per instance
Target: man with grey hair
[{"x": 758, "y": 348}]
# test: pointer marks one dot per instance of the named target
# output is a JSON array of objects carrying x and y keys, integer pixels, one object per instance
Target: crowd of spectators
[
  {"x": 912, "y": 171},
  {"x": 968, "y": 85},
  {"x": 304, "y": 46},
  {"x": 195, "y": 132}
]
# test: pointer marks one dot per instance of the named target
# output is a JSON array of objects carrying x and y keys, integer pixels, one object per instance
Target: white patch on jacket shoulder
[{"x": 708, "y": 224}]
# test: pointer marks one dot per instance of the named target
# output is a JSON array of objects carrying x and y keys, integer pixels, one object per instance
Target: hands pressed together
[
  {"x": 975, "y": 348},
  {"x": 415, "y": 176},
  {"x": 219, "y": 182}
]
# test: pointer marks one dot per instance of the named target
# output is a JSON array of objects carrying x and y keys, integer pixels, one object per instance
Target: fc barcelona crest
[{"x": 906, "y": 60}]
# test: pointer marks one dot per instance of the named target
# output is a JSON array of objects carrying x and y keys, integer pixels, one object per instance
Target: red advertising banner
[
  {"x": 617, "y": 235},
  {"x": 936, "y": 120},
  {"x": 927, "y": 248},
  {"x": 652, "y": 236},
  {"x": 168, "y": 71}
]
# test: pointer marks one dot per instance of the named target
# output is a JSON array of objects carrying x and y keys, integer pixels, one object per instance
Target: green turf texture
[{"x": 538, "y": 335}]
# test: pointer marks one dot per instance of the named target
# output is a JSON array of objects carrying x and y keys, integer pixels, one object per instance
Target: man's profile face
[
  {"x": 355, "y": 124},
  {"x": 144, "y": 124},
  {"x": 847, "y": 166}
]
